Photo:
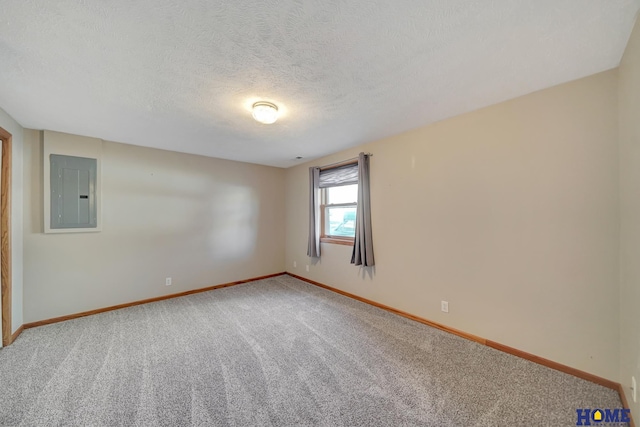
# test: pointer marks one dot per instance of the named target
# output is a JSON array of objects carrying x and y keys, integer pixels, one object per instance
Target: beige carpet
[{"x": 276, "y": 352}]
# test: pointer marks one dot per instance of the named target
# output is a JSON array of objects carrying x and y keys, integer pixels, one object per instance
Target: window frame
[{"x": 324, "y": 237}]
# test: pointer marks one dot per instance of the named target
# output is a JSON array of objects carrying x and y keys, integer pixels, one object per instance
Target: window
[
  {"x": 338, "y": 203},
  {"x": 338, "y": 210}
]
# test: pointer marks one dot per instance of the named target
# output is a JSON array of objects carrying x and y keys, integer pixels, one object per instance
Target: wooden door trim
[{"x": 5, "y": 237}]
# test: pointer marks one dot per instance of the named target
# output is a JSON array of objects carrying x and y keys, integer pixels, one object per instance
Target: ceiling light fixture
[{"x": 265, "y": 112}]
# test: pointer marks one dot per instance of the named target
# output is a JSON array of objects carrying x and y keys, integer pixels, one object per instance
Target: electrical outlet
[
  {"x": 307, "y": 267},
  {"x": 167, "y": 281},
  {"x": 444, "y": 306},
  {"x": 633, "y": 389},
  {"x": 295, "y": 264}
]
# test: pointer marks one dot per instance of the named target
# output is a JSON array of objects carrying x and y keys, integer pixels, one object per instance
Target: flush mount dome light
[{"x": 265, "y": 112}]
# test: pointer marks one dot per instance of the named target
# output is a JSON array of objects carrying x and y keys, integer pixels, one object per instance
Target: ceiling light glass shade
[{"x": 265, "y": 112}]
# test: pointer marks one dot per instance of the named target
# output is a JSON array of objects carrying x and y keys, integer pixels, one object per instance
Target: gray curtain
[
  {"x": 313, "y": 248},
  {"x": 363, "y": 245}
]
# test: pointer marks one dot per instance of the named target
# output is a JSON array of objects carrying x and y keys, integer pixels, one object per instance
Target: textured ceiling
[{"x": 181, "y": 74}]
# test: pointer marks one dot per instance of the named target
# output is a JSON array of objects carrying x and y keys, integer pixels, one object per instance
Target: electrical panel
[{"x": 73, "y": 192}]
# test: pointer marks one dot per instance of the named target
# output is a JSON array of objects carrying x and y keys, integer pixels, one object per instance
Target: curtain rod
[{"x": 342, "y": 163}]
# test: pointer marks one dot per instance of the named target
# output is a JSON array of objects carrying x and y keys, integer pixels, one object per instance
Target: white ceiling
[{"x": 180, "y": 74}]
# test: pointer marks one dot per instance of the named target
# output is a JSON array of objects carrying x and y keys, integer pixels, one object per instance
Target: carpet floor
[{"x": 277, "y": 352}]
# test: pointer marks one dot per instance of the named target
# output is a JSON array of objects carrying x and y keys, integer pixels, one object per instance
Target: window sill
[{"x": 337, "y": 241}]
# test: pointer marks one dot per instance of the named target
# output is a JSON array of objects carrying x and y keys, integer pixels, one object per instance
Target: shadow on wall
[
  {"x": 198, "y": 212},
  {"x": 363, "y": 272},
  {"x": 163, "y": 207},
  {"x": 235, "y": 215},
  {"x": 367, "y": 272}
]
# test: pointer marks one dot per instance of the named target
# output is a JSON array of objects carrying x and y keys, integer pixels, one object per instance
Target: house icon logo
[{"x": 597, "y": 415}]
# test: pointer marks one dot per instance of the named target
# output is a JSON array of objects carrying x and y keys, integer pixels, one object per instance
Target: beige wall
[
  {"x": 629, "y": 94},
  {"x": 199, "y": 220},
  {"x": 16, "y": 131},
  {"x": 510, "y": 213}
]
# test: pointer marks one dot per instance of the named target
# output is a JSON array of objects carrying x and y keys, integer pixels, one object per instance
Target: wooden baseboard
[
  {"x": 537, "y": 359},
  {"x": 144, "y": 301},
  {"x": 555, "y": 365},
  {"x": 17, "y": 333}
]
